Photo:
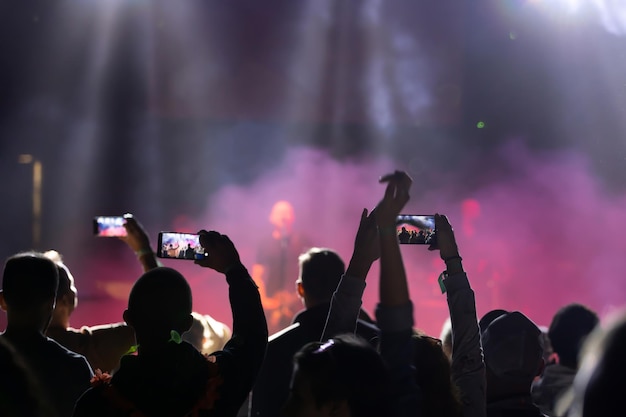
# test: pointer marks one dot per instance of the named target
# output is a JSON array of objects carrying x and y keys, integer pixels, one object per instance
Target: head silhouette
[
  {"x": 568, "y": 330},
  {"x": 320, "y": 272},
  {"x": 600, "y": 383},
  {"x": 159, "y": 302},
  {"x": 29, "y": 287},
  {"x": 343, "y": 376}
]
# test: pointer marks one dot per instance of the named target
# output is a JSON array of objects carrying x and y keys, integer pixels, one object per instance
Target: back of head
[
  {"x": 159, "y": 302},
  {"x": 440, "y": 396},
  {"x": 66, "y": 279},
  {"x": 513, "y": 351},
  {"x": 489, "y": 316},
  {"x": 346, "y": 368},
  {"x": 29, "y": 281},
  {"x": 599, "y": 385},
  {"x": 320, "y": 272},
  {"x": 568, "y": 330}
]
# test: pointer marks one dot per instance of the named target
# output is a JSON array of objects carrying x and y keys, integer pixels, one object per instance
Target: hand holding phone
[
  {"x": 446, "y": 242},
  {"x": 416, "y": 229},
  {"x": 176, "y": 245},
  {"x": 224, "y": 255}
]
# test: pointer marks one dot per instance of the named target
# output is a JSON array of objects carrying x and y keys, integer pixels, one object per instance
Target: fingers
[
  {"x": 209, "y": 238},
  {"x": 400, "y": 177},
  {"x": 442, "y": 223},
  {"x": 398, "y": 185}
]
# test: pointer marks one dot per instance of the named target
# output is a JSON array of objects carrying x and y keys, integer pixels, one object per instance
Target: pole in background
[{"x": 37, "y": 185}]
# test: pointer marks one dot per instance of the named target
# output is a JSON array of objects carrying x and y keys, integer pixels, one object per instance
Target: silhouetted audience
[
  {"x": 20, "y": 392},
  {"x": 341, "y": 377},
  {"x": 29, "y": 286},
  {"x": 332, "y": 361},
  {"x": 104, "y": 345},
  {"x": 513, "y": 350},
  {"x": 168, "y": 376},
  {"x": 599, "y": 386},
  {"x": 320, "y": 272},
  {"x": 422, "y": 380},
  {"x": 567, "y": 333}
]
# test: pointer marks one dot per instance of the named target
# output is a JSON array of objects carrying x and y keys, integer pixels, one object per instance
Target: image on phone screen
[
  {"x": 174, "y": 245},
  {"x": 109, "y": 226},
  {"x": 415, "y": 229}
]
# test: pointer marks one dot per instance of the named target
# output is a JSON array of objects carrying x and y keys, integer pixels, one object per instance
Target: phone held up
[
  {"x": 174, "y": 245},
  {"x": 416, "y": 229},
  {"x": 110, "y": 226}
]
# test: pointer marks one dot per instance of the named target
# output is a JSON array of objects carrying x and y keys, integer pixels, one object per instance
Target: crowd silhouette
[{"x": 166, "y": 359}]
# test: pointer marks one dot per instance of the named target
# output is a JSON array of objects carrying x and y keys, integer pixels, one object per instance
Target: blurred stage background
[{"x": 508, "y": 114}]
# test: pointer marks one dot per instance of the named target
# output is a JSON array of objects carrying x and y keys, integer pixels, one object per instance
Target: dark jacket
[
  {"x": 272, "y": 386},
  {"x": 173, "y": 382},
  {"x": 555, "y": 381},
  {"x": 63, "y": 374}
]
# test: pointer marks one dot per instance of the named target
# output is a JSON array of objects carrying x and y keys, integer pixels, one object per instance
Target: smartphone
[
  {"x": 175, "y": 245},
  {"x": 109, "y": 226},
  {"x": 416, "y": 229}
]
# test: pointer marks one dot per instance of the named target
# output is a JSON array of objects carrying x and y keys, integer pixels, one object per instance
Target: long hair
[{"x": 440, "y": 397}]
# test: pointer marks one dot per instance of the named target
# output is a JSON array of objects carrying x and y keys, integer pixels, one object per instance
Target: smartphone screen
[
  {"x": 109, "y": 226},
  {"x": 415, "y": 229},
  {"x": 174, "y": 245}
]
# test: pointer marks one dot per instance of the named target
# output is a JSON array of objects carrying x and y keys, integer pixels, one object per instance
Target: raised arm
[
  {"x": 468, "y": 368},
  {"x": 137, "y": 239},
  {"x": 394, "y": 312},
  {"x": 346, "y": 302},
  {"x": 242, "y": 356}
]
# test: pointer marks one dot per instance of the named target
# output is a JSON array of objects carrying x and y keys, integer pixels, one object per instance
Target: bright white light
[{"x": 612, "y": 14}]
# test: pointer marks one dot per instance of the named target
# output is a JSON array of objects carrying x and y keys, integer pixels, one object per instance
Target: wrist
[
  {"x": 454, "y": 265},
  {"x": 144, "y": 252}
]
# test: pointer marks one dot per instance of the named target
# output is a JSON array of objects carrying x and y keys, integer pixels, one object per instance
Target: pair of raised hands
[{"x": 382, "y": 219}]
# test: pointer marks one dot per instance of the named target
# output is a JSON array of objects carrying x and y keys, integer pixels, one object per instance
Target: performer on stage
[{"x": 276, "y": 270}]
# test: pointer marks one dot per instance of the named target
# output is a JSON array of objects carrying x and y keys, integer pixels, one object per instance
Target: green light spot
[
  {"x": 480, "y": 125},
  {"x": 512, "y": 35}
]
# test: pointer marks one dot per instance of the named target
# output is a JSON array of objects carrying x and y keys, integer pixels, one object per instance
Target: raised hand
[
  {"x": 366, "y": 244},
  {"x": 395, "y": 198},
  {"x": 222, "y": 254},
  {"x": 445, "y": 242},
  {"x": 137, "y": 239},
  {"x": 136, "y": 236}
]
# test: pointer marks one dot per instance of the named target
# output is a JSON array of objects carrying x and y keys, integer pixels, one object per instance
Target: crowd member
[
  {"x": 599, "y": 385},
  {"x": 20, "y": 392},
  {"x": 104, "y": 345},
  {"x": 277, "y": 266},
  {"x": 567, "y": 332},
  {"x": 341, "y": 377},
  {"x": 421, "y": 387},
  {"x": 29, "y": 286},
  {"x": 168, "y": 377},
  {"x": 320, "y": 272},
  {"x": 513, "y": 349},
  {"x": 207, "y": 334},
  {"x": 446, "y": 338}
]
